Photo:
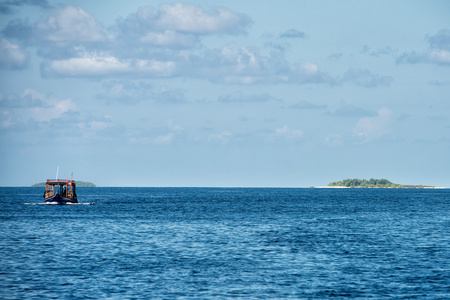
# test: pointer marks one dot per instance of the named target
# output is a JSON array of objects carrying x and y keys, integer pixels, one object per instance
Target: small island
[
  {"x": 374, "y": 183},
  {"x": 78, "y": 183}
]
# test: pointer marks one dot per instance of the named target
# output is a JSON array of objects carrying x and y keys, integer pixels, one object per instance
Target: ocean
[{"x": 226, "y": 243}]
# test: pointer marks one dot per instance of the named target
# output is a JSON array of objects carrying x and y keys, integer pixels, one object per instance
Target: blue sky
[{"x": 231, "y": 93}]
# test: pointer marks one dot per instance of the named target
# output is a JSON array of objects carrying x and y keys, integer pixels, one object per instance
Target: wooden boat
[{"x": 59, "y": 191}]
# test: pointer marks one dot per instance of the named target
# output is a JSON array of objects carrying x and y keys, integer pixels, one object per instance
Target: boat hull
[{"x": 58, "y": 199}]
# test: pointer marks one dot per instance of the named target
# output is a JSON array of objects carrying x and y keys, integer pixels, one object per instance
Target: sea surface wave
[{"x": 223, "y": 243}]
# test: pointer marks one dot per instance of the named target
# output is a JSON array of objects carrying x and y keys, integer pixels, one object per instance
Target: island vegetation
[
  {"x": 78, "y": 183},
  {"x": 374, "y": 183}
]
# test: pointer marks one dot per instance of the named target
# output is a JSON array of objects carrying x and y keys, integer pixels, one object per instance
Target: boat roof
[{"x": 60, "y": 181}]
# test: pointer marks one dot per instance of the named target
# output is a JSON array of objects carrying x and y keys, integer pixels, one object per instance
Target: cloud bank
[
  {"x": 153, "y": 42},
  {"x": 438, "y": 52},
  {"x": 12, "y": 56}
]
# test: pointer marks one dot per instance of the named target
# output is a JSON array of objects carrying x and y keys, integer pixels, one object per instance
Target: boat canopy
[{"x": 60, "y": 182}]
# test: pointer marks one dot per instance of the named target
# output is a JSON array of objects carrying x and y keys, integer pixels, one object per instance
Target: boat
[{"x": 59, "y": 191}]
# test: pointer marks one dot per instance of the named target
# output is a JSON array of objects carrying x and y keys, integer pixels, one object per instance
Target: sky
[{"x": 224, "y": 93}]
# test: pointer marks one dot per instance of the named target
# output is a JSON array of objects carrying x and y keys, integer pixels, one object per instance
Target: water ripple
[{"x": 226, "y": 243}]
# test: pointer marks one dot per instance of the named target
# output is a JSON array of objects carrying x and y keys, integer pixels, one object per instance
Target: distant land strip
[
  {"x": 78, "y": 184},
  {"x": 375, "y": 183}
]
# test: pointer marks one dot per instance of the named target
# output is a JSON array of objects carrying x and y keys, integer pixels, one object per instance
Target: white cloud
[
  {"x": 365, "y": 78},
  {"x": 69, "y": 24},
  {"x": 288, "y": 133},
  {"x": 60, "y": 27},
  {"x": 193, "y": 19},
  {"x": 434, "y": 56},
  {"x": 164, "y": 139},
  {"x": 157, "y": 42},
  {"x": 168, "y": 96},
  {"x": 440, "y": 40},
  {"x": 232, "y": 64},
  {"x": 349, "y": 111},
  {"x": 53, "y": 109},
  {"x": 309, "y": 69},
  {"x": 241, "y": 98},
  {"x": 172, "y": 131},
  {"x": 11, "y": 55},
  {"x": 169, "y": 38},
  {"x": 33, "y": 106},
  {"x": 334, "y": 140},
  {"x": 88, "y": 66},
  {"x": 308, "y": 72},
  {"x": 307, "y": 105},
  {"x": 377, "y": 52},
  {"x": 293, "y": 33},
  {"x": 439, "y": 52},
  {"x": 237, "y": 64},
  {"x": 240, "y": 79},
  {"x": 103, "y": 64},
  {"x": 176, "y": 25},
  {"x": 223, "y": 137},
  {"x": 243, "y": 59},
  {"x": 132, "y": 92},
  {"x": 439, "y": 56},
  {"x": 7, "y": 7},
  {"x": 91, "y": 126},
  {"x": 154, "y": 67},
  {"x": 125, "y": 91},
  {"x": 370, "y": 128}
]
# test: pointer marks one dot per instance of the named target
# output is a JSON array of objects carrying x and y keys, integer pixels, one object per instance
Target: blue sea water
[{"x": 223, "y": 243}]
